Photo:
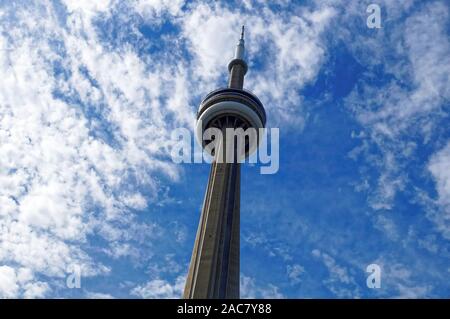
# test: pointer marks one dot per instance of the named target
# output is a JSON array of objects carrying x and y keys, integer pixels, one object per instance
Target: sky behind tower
[{"x": 91, "y": 91}]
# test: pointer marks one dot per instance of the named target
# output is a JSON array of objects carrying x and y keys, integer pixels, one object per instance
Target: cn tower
[{"x": 214, "y": 266}]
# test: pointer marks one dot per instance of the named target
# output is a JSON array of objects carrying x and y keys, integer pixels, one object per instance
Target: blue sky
[{"x": 91, "y": 91}]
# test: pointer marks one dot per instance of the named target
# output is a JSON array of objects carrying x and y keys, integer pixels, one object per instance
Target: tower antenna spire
[{"x": 240, "y": 47}]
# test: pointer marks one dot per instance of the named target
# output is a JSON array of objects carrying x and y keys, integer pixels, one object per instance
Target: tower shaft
[
  {"x": 237, "y": 73},
  {"x": 214, "y": 269}
]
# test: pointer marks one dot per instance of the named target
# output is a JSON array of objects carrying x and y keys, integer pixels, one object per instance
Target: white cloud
[
  {"x": 387, "y": 226},
  {"x": 341, "y": 280},
  {"x": 35, "y": 290},
  {"x": 295, "y": 273},
  {"x": 15, "y": 283},
  {"x": 401, "y": 279},
  {"x": 151, "y": 9},
  {"x": 337, "y": 272},
  {"x": 98, "y": 295},
  {"x": 86, "y": 5},
  {"x": 439, "y": 167},
  {"x": 273, "y": 249},
  {"x": 8, "y": 285},
  {"x": 160, "y": 289},
  {"x": 212, "y": 32},
  {"x": 251, "y": 289}
]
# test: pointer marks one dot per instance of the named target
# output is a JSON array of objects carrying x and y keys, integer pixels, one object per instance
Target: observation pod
[{"x": 230, "y": 108}]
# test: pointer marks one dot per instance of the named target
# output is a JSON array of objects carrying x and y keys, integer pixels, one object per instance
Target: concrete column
[
  {"x": 214, "y": 269},
  {"x": 237, "y": 73}
]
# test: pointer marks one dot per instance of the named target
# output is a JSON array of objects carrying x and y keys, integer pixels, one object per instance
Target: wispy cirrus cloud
[
  {"x": 250, "y": 289},
  {"x": 439, "y": 166},
  {"x": 80, "y": 133},
  {"x": 160, "y": 289},
  {"x": 401, "y": 112}
]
